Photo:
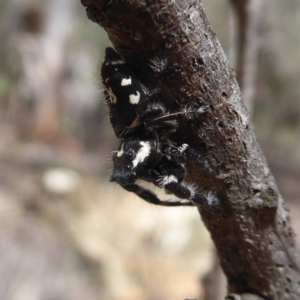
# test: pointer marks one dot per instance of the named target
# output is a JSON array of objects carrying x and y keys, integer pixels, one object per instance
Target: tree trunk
[{"x": 249, "y": 225}]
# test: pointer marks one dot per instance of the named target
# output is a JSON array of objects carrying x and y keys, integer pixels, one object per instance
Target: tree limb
[{"x": 250, "y": 226}]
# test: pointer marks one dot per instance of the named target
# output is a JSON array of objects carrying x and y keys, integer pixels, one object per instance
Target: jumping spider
[
  {"x": 139, "y": 119},
  {"x": 132, "y": 107},
  {"x": 153, "y": 161}
]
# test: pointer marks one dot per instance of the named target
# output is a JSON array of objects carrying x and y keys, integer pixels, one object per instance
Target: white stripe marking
[
  {"x": 168, "y": 179},
  {"x": 142, "y": 154}
]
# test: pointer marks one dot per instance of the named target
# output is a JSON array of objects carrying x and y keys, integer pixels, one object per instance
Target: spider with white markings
[
  {"x": 133, "y": 108},
  {"x": 153, "y": 161},
  {"x": 146, "y": 152},
  {"x": 126, "y": 95}
]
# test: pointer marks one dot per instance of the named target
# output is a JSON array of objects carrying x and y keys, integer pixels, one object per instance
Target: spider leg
[
  {"x": 182, "y": 153},
  {"x": 172, "y": 184},
  {"x": 189, "y": 112},
  {"x": 187, "y": 192},
  {"x": 178, "y": 190},
  {"x": 162, "y": 119},
  {"x": 199, "y": 199},
  {"x": 149, "y": 109},
  {"x": 154, "y": 110},
  {"x": 151, "y": 197}
]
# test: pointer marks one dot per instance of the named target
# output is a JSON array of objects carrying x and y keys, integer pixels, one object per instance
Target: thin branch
[{"x": 249, "y": 226}]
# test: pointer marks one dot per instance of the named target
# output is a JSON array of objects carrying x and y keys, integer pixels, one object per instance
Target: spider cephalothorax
[{"x": 135, "y": 158}]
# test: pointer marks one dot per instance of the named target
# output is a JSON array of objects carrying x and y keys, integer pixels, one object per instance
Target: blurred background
[{"x": 66, "y": 233}]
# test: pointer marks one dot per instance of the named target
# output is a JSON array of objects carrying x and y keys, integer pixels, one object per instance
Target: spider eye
[{"x": 130, "y": 154}]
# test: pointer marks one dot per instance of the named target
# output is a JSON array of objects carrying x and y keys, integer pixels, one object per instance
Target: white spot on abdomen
[
  {"x": 134, "y": 99},
  {"x": 126, "y": 81}
]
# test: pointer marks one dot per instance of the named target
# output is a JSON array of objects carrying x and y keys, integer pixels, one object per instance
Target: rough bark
[
  {"x": 249, "y": 226},
  {"x": 247, "y": 16}
]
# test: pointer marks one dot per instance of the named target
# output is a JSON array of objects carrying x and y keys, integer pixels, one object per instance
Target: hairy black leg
[
  {"x": 177, "y": 171},
  {"x": 199, "y": 199},
  {"x": 178, "y": 190},
  {"x": 151, "y": 197},
  {"x": 162, "y": 119},
  {"x": 187, "y": 193},
  {"x": 171, "y": 182},
  {"x": 182, "y": 153},
  {"x": 189, "y": 112},
  {"x": 154, "y": 110}
]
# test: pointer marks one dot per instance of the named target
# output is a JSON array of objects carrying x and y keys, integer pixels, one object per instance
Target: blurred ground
[
  {"x": 86, "y": 238},
  {"x": 92, "y": 241}
]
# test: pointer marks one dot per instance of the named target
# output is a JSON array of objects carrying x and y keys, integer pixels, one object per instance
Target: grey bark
[
  {"x": 245, "y": 47},
  {"x": 249, "y": 226}
]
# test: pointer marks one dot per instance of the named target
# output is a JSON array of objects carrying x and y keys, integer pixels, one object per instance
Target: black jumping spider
[
  {"x": 153, "y": 161},
  {"x": 132, "y": 107},
  {"x": 141, "y": 120}
]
